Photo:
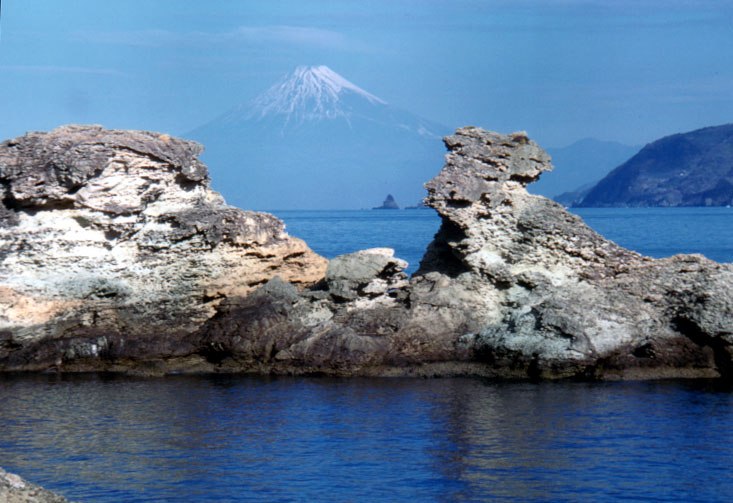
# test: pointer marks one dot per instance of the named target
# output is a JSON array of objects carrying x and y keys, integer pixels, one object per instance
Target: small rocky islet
[
  {"x": 116, "y": 255},
  {"x": 388, "y": 204}
]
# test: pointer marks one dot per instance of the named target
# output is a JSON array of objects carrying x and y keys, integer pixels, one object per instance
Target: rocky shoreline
[
  {"x": 115, "y": 255},
  {"x": 13, "y": 489}
]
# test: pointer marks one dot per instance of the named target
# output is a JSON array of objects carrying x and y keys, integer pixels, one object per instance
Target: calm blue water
[
  {"x": 332, "y": 233},
  {"x": 223, "y": 438},
  {"x": 233, "y": 438},
  {"x": 657, "y": 232},
  {"x": 661, "y": 232}
]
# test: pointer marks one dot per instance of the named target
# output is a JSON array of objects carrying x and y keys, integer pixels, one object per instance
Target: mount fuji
[{"x": 314, "y": 140}]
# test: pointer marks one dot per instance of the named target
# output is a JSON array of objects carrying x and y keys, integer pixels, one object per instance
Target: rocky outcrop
[
  {"x": 512, "y": 286},
  {"x": 388, "y": 204},
  {"x": 14, "y": 489},
  {"x": 114, "y": 247},
  {"x": 558, "y": 299}
]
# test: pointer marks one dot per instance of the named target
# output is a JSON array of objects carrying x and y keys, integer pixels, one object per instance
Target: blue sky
[{"x": 630, "y": 71}]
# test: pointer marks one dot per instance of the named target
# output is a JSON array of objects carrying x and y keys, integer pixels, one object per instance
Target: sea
[{"x": 211, "y": 438}]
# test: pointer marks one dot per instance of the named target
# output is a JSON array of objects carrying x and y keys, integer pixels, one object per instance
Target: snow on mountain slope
[
  {"x": 310, "y": 93},
  {"x": 316, "y": 140}
]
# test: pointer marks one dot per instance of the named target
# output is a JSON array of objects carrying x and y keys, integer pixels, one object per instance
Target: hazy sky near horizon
[{"x": 630, "y": 71}]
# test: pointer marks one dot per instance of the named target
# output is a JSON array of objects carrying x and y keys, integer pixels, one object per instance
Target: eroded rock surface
[
  {"x": 13, "y": 489},
  {"x": 511, "y": 286},
  {"x": 563, "y": 300},
  {"x": 113, "y": 246}
]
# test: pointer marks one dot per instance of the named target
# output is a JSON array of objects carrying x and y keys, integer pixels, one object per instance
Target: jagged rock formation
[
  {"x": 388, "y": 204},
  {"x": 14, "y": 489},
  {"x": 112, "y": 246},
  {"x": 687, "y": 169},
  {"x": 558, "y": 298},
  {"x": 511, "y": 286}
]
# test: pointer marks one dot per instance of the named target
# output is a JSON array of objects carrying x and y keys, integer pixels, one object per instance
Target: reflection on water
[{"x": 227, "y": 438}]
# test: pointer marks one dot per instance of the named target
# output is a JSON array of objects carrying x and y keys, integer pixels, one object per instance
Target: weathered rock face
[
  {"x": 558, "y": 298},
  {"x": 14, "y": 489},
  {"x": 113, "y": 246},
  {"x": 511, "y": 286},
  {"x": 366, "y": 273}
]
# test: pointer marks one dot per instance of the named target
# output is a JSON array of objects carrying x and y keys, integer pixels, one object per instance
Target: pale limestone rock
[
  {"x": 119, "y": 232},
  {"x": 571, "y": 302}
]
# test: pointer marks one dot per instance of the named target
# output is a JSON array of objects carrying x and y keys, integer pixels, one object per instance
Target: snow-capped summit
[
  {"x": 311, "y": 93},
  {"x": 317, "y": 140}
]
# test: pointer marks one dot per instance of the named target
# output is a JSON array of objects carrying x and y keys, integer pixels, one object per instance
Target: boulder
[
  {"x": 369, "y": 272},
  {"x": 557, "y": 299}
]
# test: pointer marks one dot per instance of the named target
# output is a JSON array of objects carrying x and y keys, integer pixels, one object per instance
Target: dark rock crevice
[
  {"x": 441, "y": 256},
  {"x": 721, "y": 349}
]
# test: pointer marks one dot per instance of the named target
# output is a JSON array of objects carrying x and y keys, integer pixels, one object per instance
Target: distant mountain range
[
  {"x": 314, "y": 140},
  {"x": 686, "y": 169},
  {"x": 579, "y": 166}
]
